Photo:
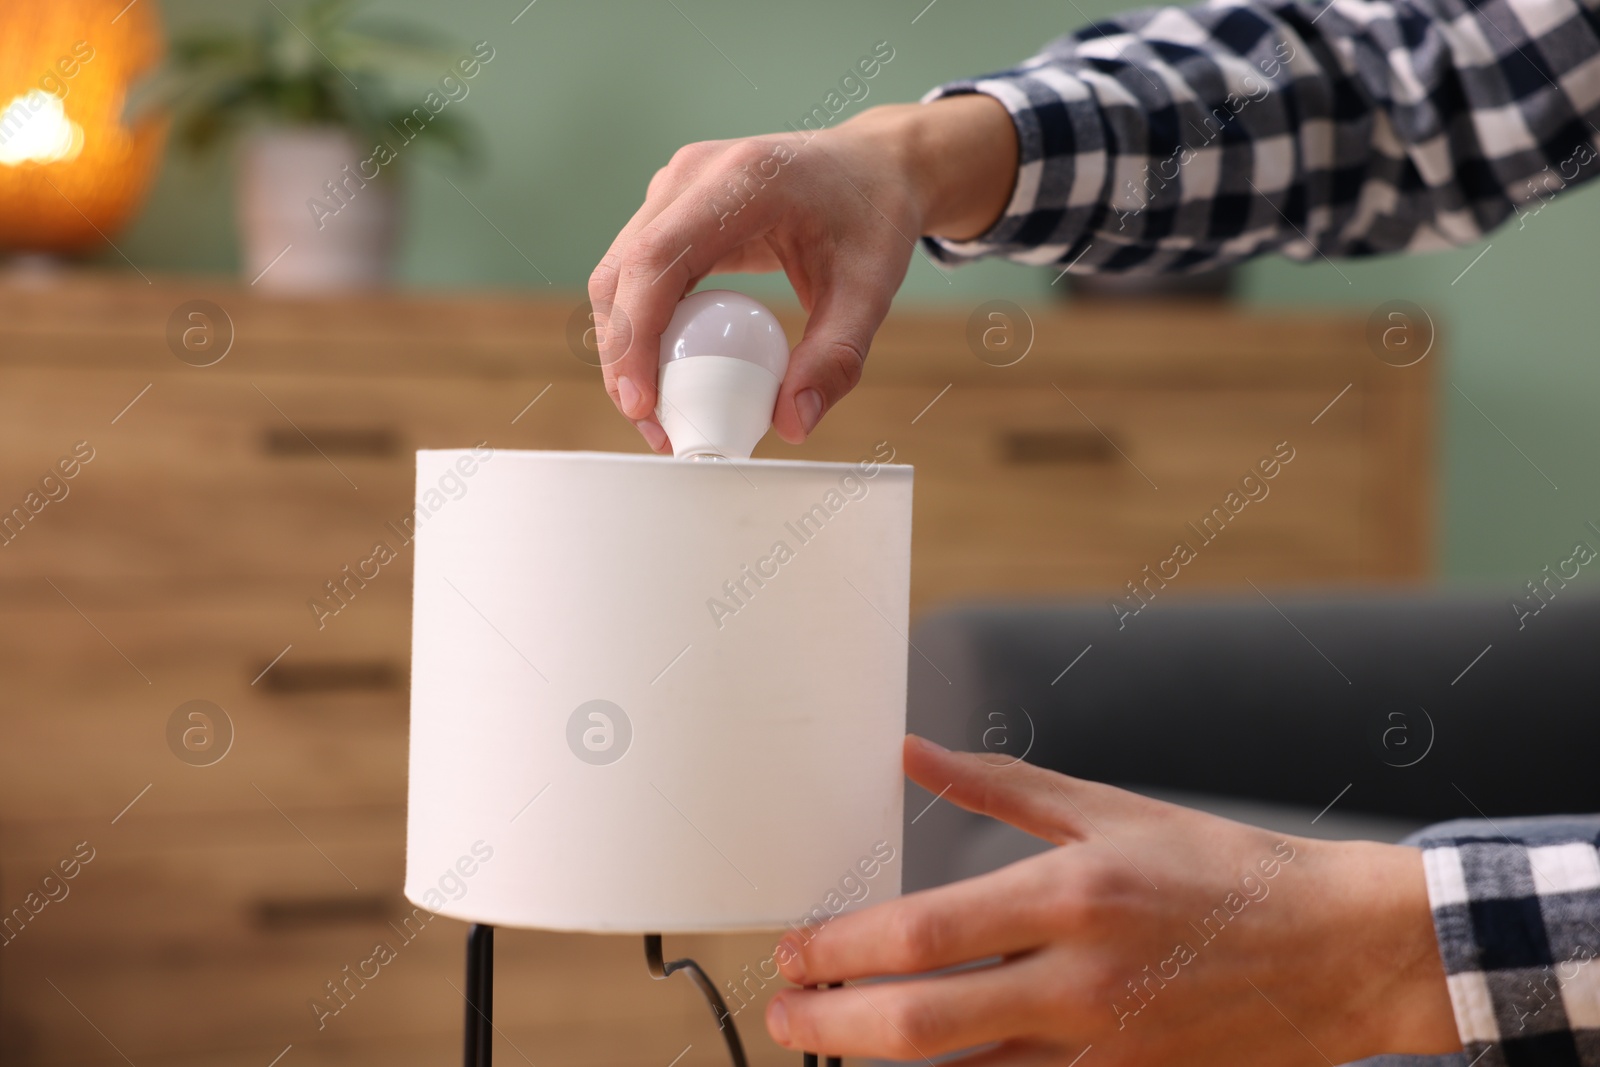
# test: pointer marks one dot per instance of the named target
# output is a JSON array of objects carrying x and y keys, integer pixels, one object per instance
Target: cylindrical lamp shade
[{"x": 654, "y": 695}]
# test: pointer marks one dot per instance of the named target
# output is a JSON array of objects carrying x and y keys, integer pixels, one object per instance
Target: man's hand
[
  {"x": 1153, "y": 934},
  {"x": 837, "y": 211}
]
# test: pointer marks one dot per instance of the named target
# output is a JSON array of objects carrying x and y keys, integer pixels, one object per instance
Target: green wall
[{"x": 585, "y": 99}]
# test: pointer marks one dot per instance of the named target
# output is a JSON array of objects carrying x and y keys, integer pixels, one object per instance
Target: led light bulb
[{"x": 723, "y": 357}]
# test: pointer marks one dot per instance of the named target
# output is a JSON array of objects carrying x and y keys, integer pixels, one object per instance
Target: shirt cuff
[
  {"x": 1518, "y": 923},
  {"x": 1060, "y": 174}
]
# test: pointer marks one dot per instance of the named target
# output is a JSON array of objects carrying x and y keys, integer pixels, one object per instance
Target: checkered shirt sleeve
[
  {"x": 1181, "y": 139},
  {"x": 1516, "y": 905}
]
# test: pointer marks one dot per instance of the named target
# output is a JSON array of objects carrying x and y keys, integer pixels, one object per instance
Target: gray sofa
[{"x": 1266, "y": 712}]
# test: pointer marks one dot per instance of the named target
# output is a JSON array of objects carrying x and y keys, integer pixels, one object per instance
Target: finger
[
  {"x": 653, "y": 435},
  {"x": 908, "y": 1020},
  {"x": 665, "y": 187},
  {"x": 998, "y": 914},
  {"x": 603, "y": 279},
  {"x": 681, "y": 244},
  {"x": 1032, "y": 799},
  {"x": 827, "y": 362}
]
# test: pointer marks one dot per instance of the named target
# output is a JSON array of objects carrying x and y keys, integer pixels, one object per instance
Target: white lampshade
[{"x": 655, "y": 695}]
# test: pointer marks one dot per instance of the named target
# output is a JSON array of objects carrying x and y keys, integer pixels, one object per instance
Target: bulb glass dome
[{"x": 720, "y": 322}]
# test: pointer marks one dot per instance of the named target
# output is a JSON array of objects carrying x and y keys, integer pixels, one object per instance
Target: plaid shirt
[
  {"x": 1516, "y": 904},
  {"x": 1184, "y": 139},
  {"x": 1179, "y": 139}
]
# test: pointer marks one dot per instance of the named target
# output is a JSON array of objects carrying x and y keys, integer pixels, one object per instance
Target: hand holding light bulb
[
  {"x": 835, "y": 210},
  {"x": 723, "y": 357}
]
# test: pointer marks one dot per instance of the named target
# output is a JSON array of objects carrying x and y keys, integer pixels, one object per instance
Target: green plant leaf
[{"x": 296, "y": 66}]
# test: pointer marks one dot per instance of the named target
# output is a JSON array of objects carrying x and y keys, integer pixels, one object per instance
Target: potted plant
[{"x": 325, "y": 111}]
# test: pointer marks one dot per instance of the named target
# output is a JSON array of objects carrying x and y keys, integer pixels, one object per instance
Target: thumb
[
  {"x": 1030, "y": 798},
  {"x": 827, "y": 362}
]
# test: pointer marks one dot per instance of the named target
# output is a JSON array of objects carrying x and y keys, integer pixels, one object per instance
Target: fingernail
[
  {"x": 808, "y": 405},
  {"x": 931, "y": 746},
  {"x": 654, "y": 435},
  {"x": 628, "y": 396},
  {"x": 778, "y": 1021}
]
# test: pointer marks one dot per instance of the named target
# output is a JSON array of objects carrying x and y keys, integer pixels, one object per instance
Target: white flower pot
[{"x": 310, "y": 220}]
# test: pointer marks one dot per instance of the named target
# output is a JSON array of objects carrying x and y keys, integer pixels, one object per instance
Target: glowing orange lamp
[{"x": 71, "y": 172}]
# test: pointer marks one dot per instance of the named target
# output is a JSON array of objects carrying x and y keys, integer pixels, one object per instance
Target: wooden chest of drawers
[{"x": 178, "y": 564}]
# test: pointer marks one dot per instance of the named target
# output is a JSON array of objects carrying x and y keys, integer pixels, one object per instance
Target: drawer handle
[
  {"x": 332, "y": 676},
  {"x": 1029, "y": 447},
  {"x": 306, "y": 912},
  {"x": 370, "y": 443}
]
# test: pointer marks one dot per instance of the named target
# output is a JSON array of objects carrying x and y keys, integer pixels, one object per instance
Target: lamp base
[
  {"x": 659, "y": 968},
  {"x": 478, "y": 1044},
  {"x": 479, "y": 1041},
  {"x": 33, "y": 270}
]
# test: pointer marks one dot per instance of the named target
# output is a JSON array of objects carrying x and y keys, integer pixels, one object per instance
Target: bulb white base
[{"x": 715, "y": 405}]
